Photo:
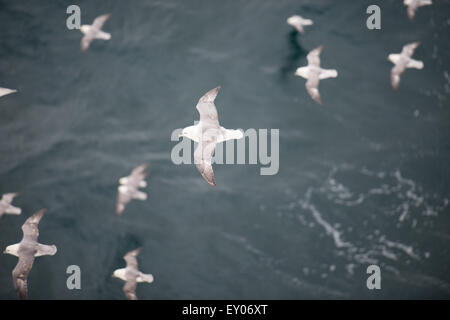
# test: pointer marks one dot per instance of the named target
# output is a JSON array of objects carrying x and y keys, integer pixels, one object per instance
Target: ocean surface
[{"x": 364, "y": 179}]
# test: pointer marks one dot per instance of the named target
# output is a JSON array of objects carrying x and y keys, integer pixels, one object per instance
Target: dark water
[{"x": 363, "y": 179}]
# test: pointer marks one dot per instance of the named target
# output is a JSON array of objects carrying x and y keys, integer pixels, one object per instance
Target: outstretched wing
[
  {"x": 409, "y": 49},
  {"x": 5, "y": 91},
  {"x": 20, "y": 274},
  {"x": 8, "y": 197},
  {"x": 130, "y": 259},
  {"x": 207, "y": 108},
  {"x": 86, "y": 41},
  {"x": 122, "y": 200},
  {"x": 313, "y": 57},
  {"x": 129, "y": 289},
  {"x": 312, "y": 86},
  {"x": 202, "y": 159},
  {"x": 396, "y": 71},
  {"x": 100, "y": 21},
  {"x": 30, "y": 227}
]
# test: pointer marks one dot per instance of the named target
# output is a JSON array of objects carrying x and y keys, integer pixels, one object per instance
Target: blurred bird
[
  {"x": 5, "y": 204},
  {"x": 129, "y": 188},
  {"x": 94, "y": 31},
  {"x": 131, "y": 275},
  {"x": 403, "y": 61},
  {"x": 413, "y": 5},
  {"x": 314, "y": 73},
  {"x": 26, "y": 250}
]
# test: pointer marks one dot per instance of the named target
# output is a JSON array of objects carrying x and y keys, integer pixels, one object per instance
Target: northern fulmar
[
  {"x": 26, "y": 250},
  {"x": 207, "y": 132},
  {"x": 94, "y": 31},
  {"x": 402, "y": 61},
  {"x": 131, "y": 275},
  {"x": 314, "y": 73}
]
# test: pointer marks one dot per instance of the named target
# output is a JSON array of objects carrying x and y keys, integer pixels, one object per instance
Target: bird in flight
[
  {"x": 129, "y": 188},
  {"x": 403, "y": 61},
  {"x": 5, "y": 204},
  {"x": 131, "y": 275},
  {"x": 314, "y": 73},
  {"x": 27, "y": 250},
  {"x": 94, "y": 31},
  {"x": 299, "y": 22},
  {"x": 207, "y": 133},
  {"x": 413, "y": 5}
]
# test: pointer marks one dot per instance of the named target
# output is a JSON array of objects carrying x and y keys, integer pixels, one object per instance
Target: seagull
[
  {"x": 129, "y": 188},
  {"x": 26, "y": 250},
  {"x": 5, "y": 91},
  {"x": 207, "y": 132},
  {"x": 298, "y": 23},
  {"x": 94, "y": 31},
  {"x": 402, "y": 61},
  {"x": 5, "y": 204},
  {"x": 131, "y": 275},
  {"x": 314, "y": 73},
  {"x": 413, "y": 5}
]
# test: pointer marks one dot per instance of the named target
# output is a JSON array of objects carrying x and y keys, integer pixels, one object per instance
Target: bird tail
[
  {"x": 415, "y": 64},
  {"x": 145, "y": 278},
  {"x": 13, "y": 210}
]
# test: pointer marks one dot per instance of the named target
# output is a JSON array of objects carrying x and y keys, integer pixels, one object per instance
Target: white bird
[
  {"x": 129, "y": 188},
  {"x": 5, "y": 204},
  {"x": 402, "y": 61},
  {"x": 299, "y": 22},
  {"x": 207, "y": 132},
  {"x": 314, "y": 73},
  {"x": 26, "y": 250},
  {"x": 5, "y": 91},
  {"x": 94, "y": 31},
  {"x": 131, "y": 275},
  {"x": 413, "y": 5}
]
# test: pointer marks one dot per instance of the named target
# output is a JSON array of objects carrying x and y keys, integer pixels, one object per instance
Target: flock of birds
[{"x": 207, "y": 133}]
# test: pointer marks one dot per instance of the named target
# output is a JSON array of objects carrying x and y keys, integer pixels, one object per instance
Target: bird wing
[
  {"x": 21, "y": 271},
  {"x": 408, "y": 49},
  {"x": 30, "y": 227},
  {"x": 396, "y": 71},
  {"x": 130, "y": 259},
  {"x": 129, "y": 289},
  {"x": 8, "y": 197},
  {"x": 100, "y": 21},
  {"x": 202, "y": 159},
  {"x": 313, "y": 57},
  {"x": 86, "y": 41},
  {"x": 207, "y": 109},
  {"x": 5, "y": 91},
  {"x": 312, "y": 86},
  {"x": 122, "y": 200}
]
